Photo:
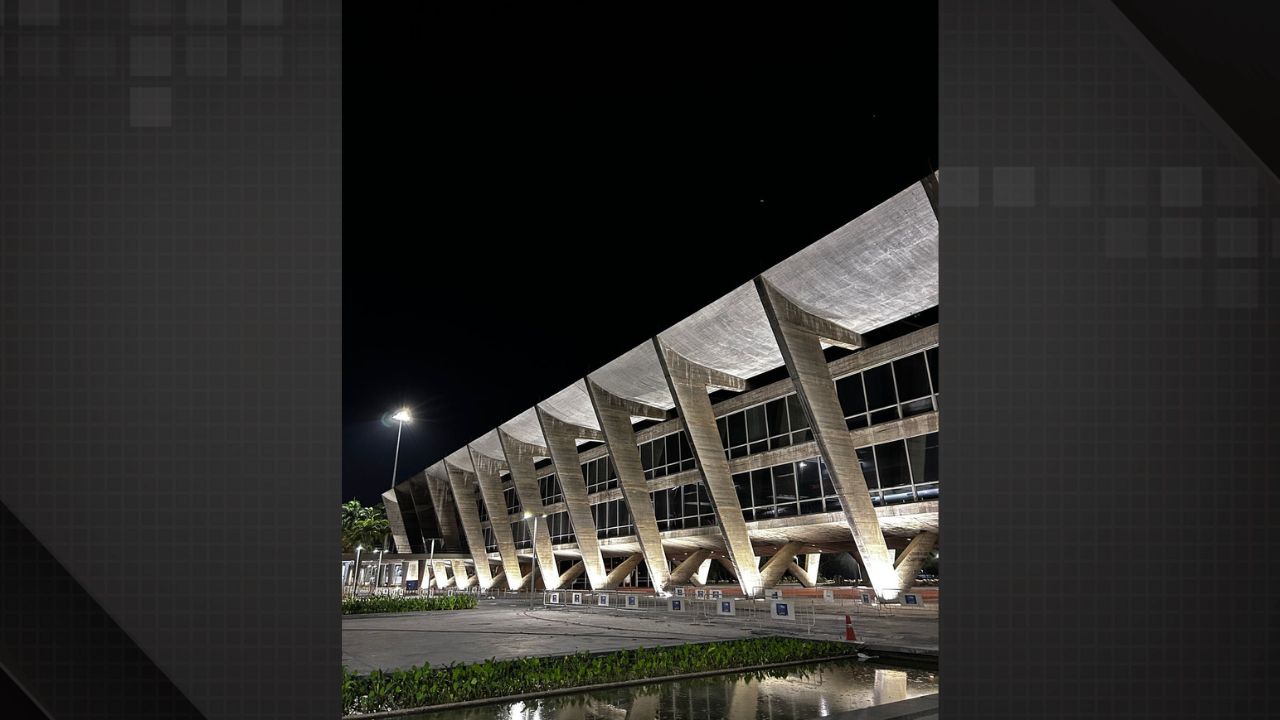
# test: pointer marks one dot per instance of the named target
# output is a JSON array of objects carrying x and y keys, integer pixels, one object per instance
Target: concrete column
[
  {"x": 689, "y": 382},
  {"x": 910, "y": 559},
  {"x": 621, "y": 572},
  {"x": 811, "y": 563},
  {"x": 561, "y": 440},
  {"x": 490, "y": 483},
  {"x": 799, "y": 334},
  {"x": 777, "y": 565},
  {"x": 802, "y": 575},
  {"x": 614, "y": 415},
  {"x": 461, "y": 579},
  {"x": 685, "y": 570},
  {"x": 464, "y": 496},
  {"x": 700, "y": 575},
  {"x": 442, "y": 574},
  {"x": 570, "y": 575},
  {"x": 521, "y": 459},
  {"x": 396, "y": 520}
]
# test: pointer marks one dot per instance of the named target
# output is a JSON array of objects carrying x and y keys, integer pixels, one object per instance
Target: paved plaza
[{"x": 508, "y": 628}]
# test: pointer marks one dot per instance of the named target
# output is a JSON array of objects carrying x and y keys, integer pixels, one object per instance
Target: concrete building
[{"x": 795, "y": 416}]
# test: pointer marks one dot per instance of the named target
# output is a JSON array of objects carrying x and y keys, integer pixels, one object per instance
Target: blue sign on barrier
[{"x": 410, "y": 585}]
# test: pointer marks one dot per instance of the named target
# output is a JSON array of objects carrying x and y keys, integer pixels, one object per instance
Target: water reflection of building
[{"x": 795, "y": 416}]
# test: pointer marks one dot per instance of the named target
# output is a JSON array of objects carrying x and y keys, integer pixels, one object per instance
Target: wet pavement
[{"x": 510, "y": 629}]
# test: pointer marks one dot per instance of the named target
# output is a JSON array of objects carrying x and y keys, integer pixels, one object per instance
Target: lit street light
[
  {"x": 401, "y": 417},
  {"x": 377, "y": 578},
  {"x": 356, "y": 572}
]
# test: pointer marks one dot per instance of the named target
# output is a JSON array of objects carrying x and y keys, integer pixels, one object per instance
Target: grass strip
[
  {"x": 423, "y": 686},
  {"x": 393, "y": 604}
]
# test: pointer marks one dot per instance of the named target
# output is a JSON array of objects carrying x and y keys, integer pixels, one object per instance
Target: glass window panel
[
  {"x": 723, "y": 426},
  {"x": 891, "y": 464},
  {"x": 866, "y": 460},
  {"x": 828, "y": 487},
  {"x": 742, "y": 483},
  {"x": 849, "y": 389},
  {"x": 833, "y": 505},
  {"x": 879, "y": 384},
  {"x": 737, "y": 429},
  {"x": 932, "y": 354},
  {"x": 659, "y": 500},
  {"x": 758, "y": 447},
  {"x": 886, "y": 415},
  {"x": 686, "y": 452},
  {"x": 911, "y": 376},
  {"x": 659, "y": 452},
  {"x": 761, "y": 488},
  {"x": 808, "y": 486},
  {"x": 673, "y": 448},
  {"x": 786, "y": 510},
  {"x": 646, "y": 456},
  {"x": 738, "y": 452},
  {"x": 756, "y": 428},
  {"x": 915, "y": 458},
  {"x": 795, "y": 413},
  {"x": 776, "y": 414},
  {"x": 784, "y": 483},
  {"x": 917, "y": 407},
  {"x": 691, "y": 507},
  {"x": 748, "y": 514},
  {"x": 779, "y": 441},
  {"x": 810, "y": 507},
  {"x": 857, "y": 421},
  {"x": 930, "y": 458},
  {"x": 688, "y": 464}
]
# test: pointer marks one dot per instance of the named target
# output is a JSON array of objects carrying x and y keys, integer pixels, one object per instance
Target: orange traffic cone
[{"x": 848, "y": 629}]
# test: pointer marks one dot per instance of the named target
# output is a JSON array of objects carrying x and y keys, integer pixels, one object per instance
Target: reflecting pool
[{"x": 801, "y": 691}]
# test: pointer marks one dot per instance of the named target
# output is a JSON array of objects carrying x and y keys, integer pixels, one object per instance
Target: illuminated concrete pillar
[
  {"x": 801, "y": 574},
  {"x": 461, "y": 579},
  {"x": 799, "y": 334},
  {"x": 614, "y": 415},
  {"x": 570, "y": 575},
  {"x": 685, "y": 571},
  {"x": 441, "y": 574},
  {"x": 700, "y": 575},
  {"x": 464, "y": 497},
  {"x": 912, "y": 558},
  {"x": 621, "y": 572},
  {"x": 811, "y": 563},
  {"x": 688, "y": 382},
  {"x": 777, "y": 565},
  {"x": 490, "y": 483},
  {"x": 561, "y": 440},
  {"x": 521, "y": 459},
  {"x": 396, "y": 522}
]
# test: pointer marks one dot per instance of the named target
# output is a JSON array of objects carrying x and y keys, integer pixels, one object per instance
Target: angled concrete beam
[
  {"x": 521, "y": 461},
  {"x": 802, "y": 575},
  {"x": 799, "y": 338},
  {"x": 621, "y": 572},
  {"x": 776, "y": 566},
  {"x": 685, "y": 571},
  {"x": 442, "y": 574},
  {"x": 499, "y": 580},
  {"x": 930, "y": 183},
  {"x": 811, "y": 562},
  {"x": 490, "y": 483},
  {"x": 614, "y": 416},
  {"x": 700, "y": 575},
  {"x": 561, "y": 440},
  {"x": 396, "y": 520},
  {"x": 911, "y": 558},
  {"x": 463, "y": 493},
  {"x": 688, "y": 382},
  {"x": 570, "y": 575},
  {"x": 460, "y": 577},
  {"x": 727, "y": 564}
]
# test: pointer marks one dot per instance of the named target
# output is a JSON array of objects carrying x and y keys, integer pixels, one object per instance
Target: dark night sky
[{"x": 491, "y": 233}]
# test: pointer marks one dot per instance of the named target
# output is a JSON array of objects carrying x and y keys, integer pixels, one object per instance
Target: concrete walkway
[{"x": 508, "y": 629}]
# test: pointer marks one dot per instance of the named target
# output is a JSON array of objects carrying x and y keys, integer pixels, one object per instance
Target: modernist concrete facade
[{"x": 795, "y": 416}]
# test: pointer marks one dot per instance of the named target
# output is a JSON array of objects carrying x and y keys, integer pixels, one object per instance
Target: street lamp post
[
  {"x": 431, "y": 568},
  {"x": 355, "y": 585},
  {"x": 401, "y": 417},
  {"x": 377, "y": 576},
  {"x": 533, "y": 553}
]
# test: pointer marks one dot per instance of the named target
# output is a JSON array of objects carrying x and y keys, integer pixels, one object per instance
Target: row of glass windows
[
  {"x": 775, "y": 424},
  {"x": 512, "y": 500},
  {"x": 561, "y": 528},
  {"x": 549, "y": 487},
  {"x": 687, "y": 506},
  {"x": 899, "y": 389},
  {"x": 520, "y": 532},
  {"x": 667, "y": 455},
  {"x": 612, "y": 519},
  {"x": 901, "y": 471},
  {"x": 799, "y": 488},
  {"x": 490, "y": 540},
  {"x": 600, "y": 474}
]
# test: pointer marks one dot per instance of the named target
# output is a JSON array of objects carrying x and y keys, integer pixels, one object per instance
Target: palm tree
[{"x": 362, "y": 525}]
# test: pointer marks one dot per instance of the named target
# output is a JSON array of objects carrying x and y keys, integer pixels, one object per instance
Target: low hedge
[
  {"x": 391, "y": 604},
  {"x": 422, "y": 685}
]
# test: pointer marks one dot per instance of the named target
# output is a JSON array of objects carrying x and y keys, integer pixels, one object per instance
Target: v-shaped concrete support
[
  {"x": 799, "y": 334},
  {"x": 561, "y": 440},
  {"x": 521, "y": 457},
  {"x": 463, "y": 493},
  {"x": 490, "y": 483}
]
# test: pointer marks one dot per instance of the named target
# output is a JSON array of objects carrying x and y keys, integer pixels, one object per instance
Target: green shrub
[
  {"x": 423, "y": 685},
  {"x": 390, "y": 604}
]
